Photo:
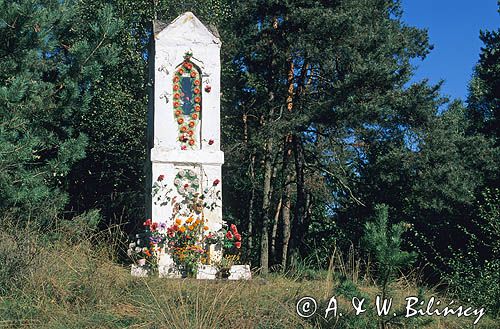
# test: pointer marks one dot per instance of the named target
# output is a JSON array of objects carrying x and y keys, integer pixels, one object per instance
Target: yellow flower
[
  {"x": 197, "y": 222},
  {"x": 182, "y": 229},
  {"x": 191, "y": 227},
  {"x": 178, "y": 221},
  {"x": 205, "y": 228},
  {"x": 189, "y": 220}
]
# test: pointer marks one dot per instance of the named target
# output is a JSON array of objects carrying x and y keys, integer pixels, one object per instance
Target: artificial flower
[{"x": 161, "y": 177}]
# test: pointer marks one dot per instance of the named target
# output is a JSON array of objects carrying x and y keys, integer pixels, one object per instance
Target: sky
[{"x": 453, "y": 27}]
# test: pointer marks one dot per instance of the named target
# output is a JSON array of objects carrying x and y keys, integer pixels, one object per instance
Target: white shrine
[
  {"x": 184, "y": 121},
  {"x": 184, "y": 131}
]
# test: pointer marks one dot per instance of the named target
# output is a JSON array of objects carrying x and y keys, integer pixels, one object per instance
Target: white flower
[
  {"x": 131, "y": 245},
  {"x": 138, "y": 249},
  {"x": 177, "y": 181}
]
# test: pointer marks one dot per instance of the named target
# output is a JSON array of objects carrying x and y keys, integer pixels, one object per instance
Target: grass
[{"x": 67, "y": 285}]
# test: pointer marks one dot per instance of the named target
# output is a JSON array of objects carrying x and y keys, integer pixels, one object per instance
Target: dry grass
[{"x": 79, "y": 286}]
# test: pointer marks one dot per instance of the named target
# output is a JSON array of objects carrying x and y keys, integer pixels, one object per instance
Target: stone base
[
  {"x": 139, "y": 271},
  {"x": 205, "y": 272},
  {"x": 240, "y": 272}
]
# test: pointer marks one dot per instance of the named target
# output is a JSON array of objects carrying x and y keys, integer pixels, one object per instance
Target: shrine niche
[{"x": 187, "y": 94}]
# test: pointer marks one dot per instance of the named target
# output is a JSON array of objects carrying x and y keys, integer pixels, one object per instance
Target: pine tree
[{"x": 47, "y": 72}]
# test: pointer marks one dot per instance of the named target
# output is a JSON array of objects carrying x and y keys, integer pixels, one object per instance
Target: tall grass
[{"x": 76, "y": 283}]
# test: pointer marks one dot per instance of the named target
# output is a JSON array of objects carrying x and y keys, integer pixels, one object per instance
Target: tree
[
  {"x": 314, "y": 84},
  {"x": 46, "y": 84}
]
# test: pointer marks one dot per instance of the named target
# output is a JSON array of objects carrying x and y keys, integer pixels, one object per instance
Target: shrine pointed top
[{"x": 186, "y": 27}]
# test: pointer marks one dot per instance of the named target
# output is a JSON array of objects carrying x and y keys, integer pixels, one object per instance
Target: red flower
[
  {"x": 237, "y": 236},
  {"x": 191, "y": 142},
  {"x": 154, "y": 226},
  {"x": 177, "y": 96},
  {"x": 176, "y": 79},
  {"x": 196, "y": 90},
  {"x": 211, "y": 141},
  {"x": 161, "y": 177},
  {"x": 197, "y": 108},
  {"x": 208, "y": 88},
  {"x": 229, "y": 235},
  {"x": 216, "y": 182},
  {"x": 194, "y": 116},
  {"x": 193, "y": 74},
  {"x": 186, "y": 185},
  {"x": 177, "y": 104},
  {"x": 147, "y": 222},
  {"x": 197, "y": 99},
  {"x": 180, "y": 121},
  {"x": 176, "y": 87},
  {"x": 180, "y": 71},
  {"x": 234, "y": 229},
  {"x": 196, "y": 82},
  {"x": 237, "y": 245},
  {"x": 183, "y": 147}
]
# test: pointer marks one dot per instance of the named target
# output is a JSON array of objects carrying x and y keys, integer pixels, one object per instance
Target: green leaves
[{"x": 384, "y": 242}]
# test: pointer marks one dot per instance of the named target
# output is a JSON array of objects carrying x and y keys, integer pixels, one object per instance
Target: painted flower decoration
[{"x": 208, "y": 88}]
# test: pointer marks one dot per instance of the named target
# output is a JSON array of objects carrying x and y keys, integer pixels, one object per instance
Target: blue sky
[{"x": 453, "y": 28}]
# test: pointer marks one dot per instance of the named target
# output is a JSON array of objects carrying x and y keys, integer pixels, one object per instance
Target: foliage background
[{"x": 320, "y": 128}]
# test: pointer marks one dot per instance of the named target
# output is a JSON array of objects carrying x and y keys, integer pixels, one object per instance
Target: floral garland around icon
[{"x": 187, "y": 122}]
